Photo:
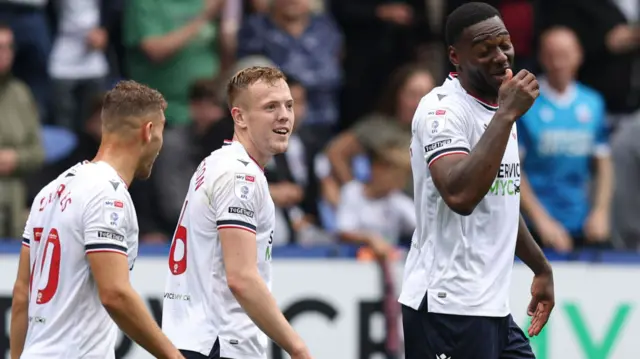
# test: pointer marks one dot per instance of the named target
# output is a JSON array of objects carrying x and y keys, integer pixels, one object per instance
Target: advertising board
[{"x": 335, "y": 305}]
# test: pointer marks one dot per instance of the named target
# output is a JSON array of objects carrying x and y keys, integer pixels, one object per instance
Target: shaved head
[{"x": 129, "y": 105}]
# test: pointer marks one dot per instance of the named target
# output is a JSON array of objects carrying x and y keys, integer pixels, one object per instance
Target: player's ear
[
  {"x": 147, "y": 132},
  {"x": 453, "y": 56},
  {"x": 238, "y": 117}
]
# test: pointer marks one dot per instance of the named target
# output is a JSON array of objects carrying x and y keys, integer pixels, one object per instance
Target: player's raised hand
[
  {"x": 542, "y": 302},
  {"x": 517, "y": 93}
]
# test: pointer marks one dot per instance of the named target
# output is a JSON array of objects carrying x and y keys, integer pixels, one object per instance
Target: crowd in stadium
[{"x": 357, "y": 70}]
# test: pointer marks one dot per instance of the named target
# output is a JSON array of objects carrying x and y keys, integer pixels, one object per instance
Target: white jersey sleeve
[
  {"x": 235, "y": 199},
  {"x": 442, "y": 132},
  {"x": 105, "y": 221},
  {"x": 27, "y": 235}
]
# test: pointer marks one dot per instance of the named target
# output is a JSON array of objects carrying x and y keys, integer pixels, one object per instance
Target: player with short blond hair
[
  {"x": 218, "y": 301},
  {"x": 81, "y": 241}
]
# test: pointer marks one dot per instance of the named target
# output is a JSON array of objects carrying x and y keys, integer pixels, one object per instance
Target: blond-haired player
[
  {"x": 81, "y": 241},
  {"x": 217, "y": 301}
]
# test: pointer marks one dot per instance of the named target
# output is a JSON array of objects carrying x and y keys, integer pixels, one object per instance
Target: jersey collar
[
  {"x": 453, "y": 77},
  {"x": 236, "y": 143}
]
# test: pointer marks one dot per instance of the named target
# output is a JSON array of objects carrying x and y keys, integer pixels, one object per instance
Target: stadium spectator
[
  {"x": 20, "y": 148},
  {"x": 625, "y": 148},
  {"x": 87, "y": 142},
  {"x": 170, "y": 44},
  {"x": 78, "y": 63},
  {"x": 292, "y": 181},
  {"x": 559, "y": 136},
  {"x": 185, "y": 146},
  {"x": 304, "y": 45},
  {"x": 389, "y": 125},
  {"x": 380, "y": 36},
  {"x": 28, "y": 21},
  {"x": 376, "y": 213},
  {"x": 610, "y": 37}
]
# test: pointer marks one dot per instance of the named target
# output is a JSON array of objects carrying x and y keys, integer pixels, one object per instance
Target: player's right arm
[
  {"x": 20, "y": 304},
  {"x": 106, "y": 249},
  {"x": 463, "y": 177},
  {"x": 237, "y": 230}
]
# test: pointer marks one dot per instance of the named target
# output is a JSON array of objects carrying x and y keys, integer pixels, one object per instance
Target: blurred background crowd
[{"x": 357, "y": 70}]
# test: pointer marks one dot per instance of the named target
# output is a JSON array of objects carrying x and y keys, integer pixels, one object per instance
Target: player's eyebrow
[{"x": 484, "y": 37}]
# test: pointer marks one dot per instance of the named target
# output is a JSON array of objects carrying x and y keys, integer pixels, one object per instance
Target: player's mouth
[
  {"x": 500, "y": 74},
  {"x": 282, "y": 131}
]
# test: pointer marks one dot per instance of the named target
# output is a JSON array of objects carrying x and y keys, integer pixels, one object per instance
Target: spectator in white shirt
[{"x": 377, "y": 213}]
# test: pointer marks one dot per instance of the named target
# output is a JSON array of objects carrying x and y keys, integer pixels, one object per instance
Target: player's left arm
[
  {"x": 597, "y": 226},
  {"x": 542, "y": 292},
  {"x": 20, "y": 303}
]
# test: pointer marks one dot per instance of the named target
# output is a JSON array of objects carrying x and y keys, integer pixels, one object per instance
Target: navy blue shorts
[
  {"x": 432, "y": 335},
  {"x": 214, "y": 354}
]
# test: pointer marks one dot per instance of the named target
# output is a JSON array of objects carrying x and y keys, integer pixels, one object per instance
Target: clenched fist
[{"x": 517, "y": 93}]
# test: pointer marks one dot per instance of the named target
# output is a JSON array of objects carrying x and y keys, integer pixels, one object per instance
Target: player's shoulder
[
  {"x": 232, "y": 159},
  {"x": 443, "y": 100},
  {"x": 99, "y": 180}
]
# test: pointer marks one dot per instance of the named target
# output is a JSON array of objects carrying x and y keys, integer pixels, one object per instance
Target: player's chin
[
  {"x": 279, "y": 145},
  {"x": 145, "y": 172},
  {"x": 494, "y": 82}
]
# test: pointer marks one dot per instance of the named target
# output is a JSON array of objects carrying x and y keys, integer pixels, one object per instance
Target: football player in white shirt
[
  {"x": 218, "y": 301},
  {"x": 81, "y": 241},
  {"x": 466, "y": 172}
]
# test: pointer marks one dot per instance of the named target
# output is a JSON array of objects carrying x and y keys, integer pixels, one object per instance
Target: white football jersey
[
  {"x": 86, "y": 209},
  {"x": 228, "y": 190},
  {"x": 462, "y": 263}
]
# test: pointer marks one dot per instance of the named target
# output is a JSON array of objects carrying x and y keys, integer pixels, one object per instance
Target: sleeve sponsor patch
[
  {"x": 241, "y": 211},
  {"x": 434, "y": 146},
  {"x": 111, "y": 236},
  {"x": 244, "y": 186},
  {"x": 436, "y": 123},
  {"x": 113, "y": 210},
  {"x": 113, "y": 203}
]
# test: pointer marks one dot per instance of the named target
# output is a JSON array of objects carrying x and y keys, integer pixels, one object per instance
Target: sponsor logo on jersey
[
  {"x": 113, "y": 212},
  {"x": 114, "y": 203},
  {"x": 241, "y": 211},
  {"x": 111, "y": 235},
  {"x": 507, "y": 182},
  {"x": 245, "y": 178},
  {"x": 244, "y": 186},
  {"x": 437, "y": 113},
  {"x": 434, "y": 146},
  {"x": 435, "y": 123}
]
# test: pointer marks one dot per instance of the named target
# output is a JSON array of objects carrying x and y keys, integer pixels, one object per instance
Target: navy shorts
[
  {"x": 214, "y": 354},
  {"x": 432, "y": 335}
]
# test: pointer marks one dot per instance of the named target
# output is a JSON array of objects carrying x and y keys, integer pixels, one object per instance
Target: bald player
[{"x": 81, "y": 240}]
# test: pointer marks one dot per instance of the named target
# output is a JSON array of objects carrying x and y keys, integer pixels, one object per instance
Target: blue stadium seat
[
  {"x": 58, "y": 142},
  {"x": 361, "y": 168},
  {"x": 327, "y": 216}
]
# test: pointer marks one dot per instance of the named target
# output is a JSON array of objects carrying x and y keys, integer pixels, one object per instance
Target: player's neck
[
  {"x": 120, "y": 159},
  {"x": 475, "y": 92},
  {"x": 252, "y": 150}
]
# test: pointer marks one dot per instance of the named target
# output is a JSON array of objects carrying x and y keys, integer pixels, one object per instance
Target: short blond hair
[
  {"x": 249, "y": 76},
  {"x": 128, "y": 101}
]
